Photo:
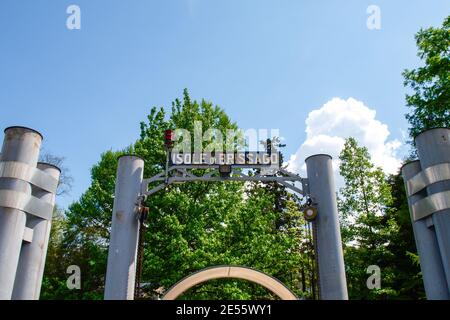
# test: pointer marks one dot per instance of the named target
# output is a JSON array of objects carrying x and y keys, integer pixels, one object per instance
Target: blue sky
[{"x": 267, "y": 63}]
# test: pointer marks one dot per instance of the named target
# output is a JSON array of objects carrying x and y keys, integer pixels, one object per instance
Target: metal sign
[{"x": 223, "y": 158}]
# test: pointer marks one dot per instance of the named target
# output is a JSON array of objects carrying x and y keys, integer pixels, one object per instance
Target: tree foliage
[
  {"x": 430, "y": 101},
  {"x": 376, "y": 229},
  {"x": 200, "y": 224},
  {"x": 190, "y": 226}
]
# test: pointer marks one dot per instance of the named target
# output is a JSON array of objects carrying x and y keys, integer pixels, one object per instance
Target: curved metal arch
[{"x": 235, "y": 272}]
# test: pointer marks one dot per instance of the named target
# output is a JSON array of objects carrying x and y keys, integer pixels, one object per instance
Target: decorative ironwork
[{"x": 186, "y": 173}]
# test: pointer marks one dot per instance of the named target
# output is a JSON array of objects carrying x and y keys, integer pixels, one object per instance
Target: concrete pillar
[
  {"x": 21, "y": 145},
  {"x": 427, "y": 246},
  {"x": 30, "y": 270},
  {"x": 433, "y": 147},
  {"x": 121, "y": 270},
  {"x": 332, "y": 280}
]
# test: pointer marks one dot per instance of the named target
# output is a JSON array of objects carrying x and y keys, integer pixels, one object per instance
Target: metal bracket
[
  {"x": 27, "y": 203},
  {"x": 184, "y": 173},
  {"x": 429, "y": 222},
  {"x": 28, "y": 235},
  {"x": 431, "y": 204},
  {"x": 430, "y": 175},
  {"x": 35, "y": 176}
]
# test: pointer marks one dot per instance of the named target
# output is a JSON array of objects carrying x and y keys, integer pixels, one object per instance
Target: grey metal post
[
  {"x": 32, "y": 256},
  {"x": 21, "y": 145},
  {"x": 427, "y": 246},
  {"x": 332, "y": 279},
  {"x": 433, "y": 147},
  {"x": 121, "y": 270}
]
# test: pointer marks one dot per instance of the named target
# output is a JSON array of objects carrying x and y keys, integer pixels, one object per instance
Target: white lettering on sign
[{"x": 238, "y": 158}]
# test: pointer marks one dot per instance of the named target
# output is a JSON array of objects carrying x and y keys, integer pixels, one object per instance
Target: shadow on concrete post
[{"x": 332, "y": 279}]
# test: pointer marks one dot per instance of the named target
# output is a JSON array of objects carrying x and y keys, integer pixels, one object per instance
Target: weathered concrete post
[
  {"x": 333, "y": 284},
  {"x": 20, "y": 145},
  {"x": 427, "y": 246},
  {"x": 433, "y": 148},
  {"x": 30, "y": 270},
  {"x": 121, "y": 270}
]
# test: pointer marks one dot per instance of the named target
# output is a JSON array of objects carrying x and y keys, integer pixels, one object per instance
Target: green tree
[
  {"x": 365, "y": 196},
  {"x": 53, "y": 284},
  {"x": 430, "y": 102},
  {"x": 190, "y": 226},
  {"x": 80, "y": 237},
  {"x": 201, "y": 224},
  {"x": 376, "y": 229},
  {"x": 407, "y": 279},
  {"x": 366, "y": 228}
]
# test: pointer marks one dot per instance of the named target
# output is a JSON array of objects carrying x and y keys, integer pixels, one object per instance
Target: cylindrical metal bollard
[
  {"x": 433, "y": 147},
  {"x": 20, "y": 145},
  {"x": 121, "y": 269},
  {"x": 333, "y": 284},
  {"x": 30, "y": 270},
  {"x": 427, "y": 246}
]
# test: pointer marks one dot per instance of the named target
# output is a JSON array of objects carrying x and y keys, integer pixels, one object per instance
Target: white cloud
[{"x": 328, "y": 126}]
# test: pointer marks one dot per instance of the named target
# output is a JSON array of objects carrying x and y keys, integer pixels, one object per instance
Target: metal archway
[
  {"x": 235, "y": 272},
  {"x": 129, "y": 213}
]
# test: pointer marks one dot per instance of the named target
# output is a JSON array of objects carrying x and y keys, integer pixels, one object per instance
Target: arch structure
[
  {"x": 227, "y": 272},
  {"x": 129, "y": 214}
]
